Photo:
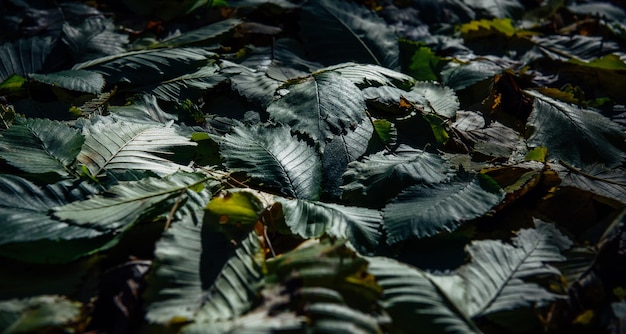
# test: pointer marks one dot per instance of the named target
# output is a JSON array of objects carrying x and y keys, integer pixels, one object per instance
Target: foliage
[{"x": 348, "y": 166}]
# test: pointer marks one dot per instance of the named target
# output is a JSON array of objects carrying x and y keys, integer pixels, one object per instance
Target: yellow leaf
[
  {"x": 484, "y": 28},
  {"x": 235, "y": 208}
]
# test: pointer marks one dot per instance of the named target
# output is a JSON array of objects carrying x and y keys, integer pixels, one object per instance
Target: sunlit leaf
[
  {"x": 497, "y": 8},
  {"x": 488, "y": 27},
  {"x": 111, "y": 145},
  {"x": 365, "y": 75}
]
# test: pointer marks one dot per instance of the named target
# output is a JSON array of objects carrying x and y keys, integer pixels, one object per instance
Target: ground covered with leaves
[{"x": 332, "y": 166}]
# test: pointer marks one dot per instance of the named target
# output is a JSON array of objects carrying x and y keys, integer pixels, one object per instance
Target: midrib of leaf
[
  {"x": 45, "y": 148},
  {"x": 572, "y": 120},
  {"x": 508, "y": 279},
  {"x": 369, "y": 51},
  {"x": 121, "y": 148}
]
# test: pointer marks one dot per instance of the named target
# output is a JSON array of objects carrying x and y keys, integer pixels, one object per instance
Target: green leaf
[
  {"x": 338, "y": 31},
  {"x": 494, "y": 278},
  {"x": 41, "y": 146},
  {"x": 146, "y": 67},
  {"x": 123, "y": 204},
  {"x": 12, "y": 85},
  {"x": 488, "y": 27},
  {"x": 611, "y": 62},
  {"x": 38, "y": 314},
  {"x": 76, "y": 80},
  {"x": 120, "y": 145},
  {"x": 386, "y": 172},
  {"x": 424, "y": 65},
  {"x": 237, "y": 207},
  {"x": 463, "y": 76},
  {"x": 323, "y": 106},
  {"x": 275, "y": 157},
  {"x": 309, "y": 219},
  {"x": 413, "y": 300},
  {"x": 425, "y": 210},
  {"x": 24, "y": 56},
  {"x": 573, "y": 134},
  {"x": 577, "y": 49}
]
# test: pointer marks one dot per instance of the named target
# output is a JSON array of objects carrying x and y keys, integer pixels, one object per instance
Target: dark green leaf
[
  {"x": 413, "y": 300},
  {"x": 41, "y": 146},
  {"x": 211, "y": 33},
  {"x": 24, "y": 56},
  {"x": 576, "y": 135},
  {"x": 123, "y": 204},
  {"x": 494, "y": 277},
  {"x": 338, "y": 31},
  {"x": 76, "y": 80},
  {"x": 322, "y": 106},
  {"x": 274, "y": 157},
  {"x": 425, "y": 210},
  {"x": 361, "y": 226}
]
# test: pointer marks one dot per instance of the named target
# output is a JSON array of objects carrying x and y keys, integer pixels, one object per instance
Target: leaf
[
  {"x": 145, "y": 67},
  {"x": 492, "y": 140},
  {"x": 274, "y": 157},
  {"x": 413, "y": 300},
  {"x": 177, "y": 285},
  {"x": 322, "y": 106},
  {"x": 24, "y": 56},
  {"x": 340, "y": 31},
  {"x": 94, "y": 107},
  {"x": 386, "y": 172},
  {"x": 463, "y": 76},
  {"x": 611, "y": 62},
  {"x": 41, "y": 146},
  {"x": 123, "y": 204},
  {"x": 365, "y": 75},
  {"x": 144, "y": 108},
  {"x": 94, "y": 37},
  {"x": 484, "y": 28},
  {"x": 441, "y": 100},
  {"x": 341, "y": 151},
  {"x": 309, "y": 219},
  {"x": 282, "y": 61},
  {"x": 595, "y": 178},
  {"x": 575, "y": 47},
  {"x": 236, "y": 207},
  {"x": 236, "y": 288},
  {"x": 494, "y": 277},
  {"x": 335, "y": 318},
  {"x": 40, "y": 313},
  {"x": 256, "y": 86},
  {"x": 573, "y": 134},
  {"x": 111, "y": 145},
  {"x": 425, "y": 210},
  {"x": 30, "y": 234},
  {"x": 497, "y": 8},
  {"x": 211, "y": 33},
  {"x": 188, "y": 86},
  {"x": 76, "y": 80}
]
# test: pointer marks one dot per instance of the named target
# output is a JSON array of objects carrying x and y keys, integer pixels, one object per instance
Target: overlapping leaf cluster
[{"x": 313, "y": 166}]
